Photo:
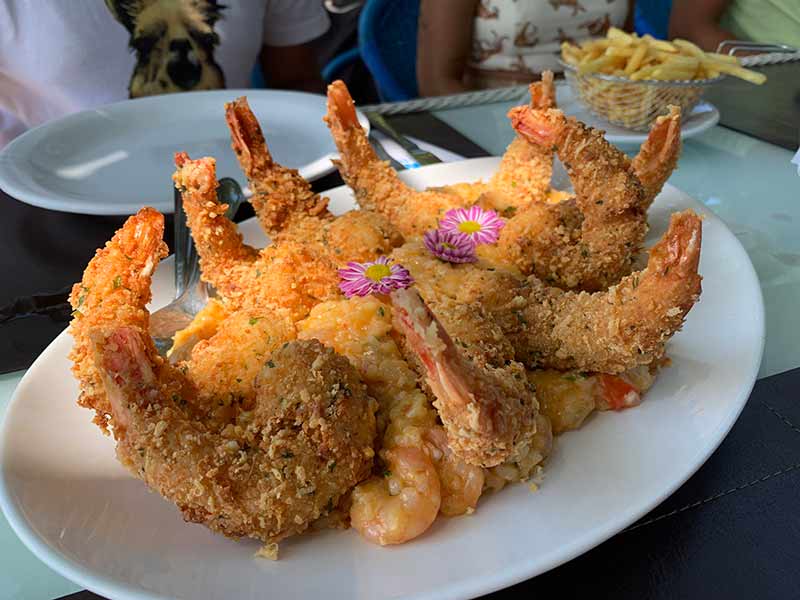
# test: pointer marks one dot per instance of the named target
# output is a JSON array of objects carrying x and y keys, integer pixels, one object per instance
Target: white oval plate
[
  {"x": 115, "y": 159},
  {"x": 704, "y": 116},
  {"x": 73, "y": 505}
]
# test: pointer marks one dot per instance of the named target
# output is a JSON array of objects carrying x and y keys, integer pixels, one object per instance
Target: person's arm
[
  {"x": 444, "y": 43},
  {"x": 698, "y": 22},
  {"x": 291, "y": 68}
]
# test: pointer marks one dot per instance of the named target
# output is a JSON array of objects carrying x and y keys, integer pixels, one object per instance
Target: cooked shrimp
[
  {"x": 280, "y": 195},
  {"x": 376, "y": 185},
  {"x": 600, "y": 249},
  {"x": 290, "y": 277},
  {"x": 589, "y": 242},
  {"x": 361, "y": 329},
  {"x": 610, "y": 332},
  {"x": 461, "y": 483},
  {"x": 525, "y": 170},
  {"x": 402, "y": 503},
  {"x": 486, "y": 410},
  {"x": 287, "y": 208},
  {"x": 626, "y": 326},
  {"x": 115, "y": 287},
  {"x": 658, "y": 156},
  {"x": 306, "y": 441}
]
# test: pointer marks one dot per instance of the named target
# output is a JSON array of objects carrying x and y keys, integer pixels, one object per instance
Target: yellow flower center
[
  {"x": 377, "y": 272},
  {"x": 469, "y": 227}
]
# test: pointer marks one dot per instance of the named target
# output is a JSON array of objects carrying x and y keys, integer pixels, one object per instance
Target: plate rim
[
  {"x": 469, "y": 587},
  {"x": 10, "y": 155}
]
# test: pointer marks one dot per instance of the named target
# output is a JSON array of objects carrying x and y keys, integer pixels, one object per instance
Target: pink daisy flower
[
  {"x": 482, "y": 226},
  {"x": 451, "y": 246},
  {"x": 375, "y": 277}
]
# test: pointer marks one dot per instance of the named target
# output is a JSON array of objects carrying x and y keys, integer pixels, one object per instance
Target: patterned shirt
[{"x": 518, "y": 38}]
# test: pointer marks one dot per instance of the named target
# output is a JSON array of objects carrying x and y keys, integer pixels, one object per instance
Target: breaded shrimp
[
  {"x": 280, "y": 195},
  {"x": 115, "y": 288},
  {"x": 307, "y": 444},
  {"x": 376, "y": 185},
  {"x": 287, "y": 208},
  {"x": 658, "y": 156},
  {"x": 589, "y": 242},
  {"x": 525, "y": 170},
  {"x": 486, "y": 411},
  {"x": 290, "y": 277},
  {"x": 609, "y": 196},
  {"x": 361, "y": 329},
  {"x": 306, "y": 440},
  {"x": 609, "y": 332}
]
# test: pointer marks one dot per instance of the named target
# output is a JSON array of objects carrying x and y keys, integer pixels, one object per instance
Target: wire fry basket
[{"x": 634, "y": 104}]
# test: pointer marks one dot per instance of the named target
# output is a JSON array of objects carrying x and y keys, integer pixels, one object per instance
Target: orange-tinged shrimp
[
  {"x": 290, "y": 276},
  {"x": 287, "y": 208},
  {"x": 461, "y": 483},
  {"x": 400, "y": 504},
  {"x": 376, "y": 185},
  {"x": 306, "y": 440},
  {"x": 115, "y": 287},
  {"x": 658, "y": 156}
]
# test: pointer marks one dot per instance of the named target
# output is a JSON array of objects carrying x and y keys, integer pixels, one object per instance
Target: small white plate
[
  {"x": 77, "y": 509},
  {"x": 115, "y": 159},
  {"x": 704, "y": 116}
]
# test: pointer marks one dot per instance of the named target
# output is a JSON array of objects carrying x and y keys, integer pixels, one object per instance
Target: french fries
[{"x": 646, "y": 58}]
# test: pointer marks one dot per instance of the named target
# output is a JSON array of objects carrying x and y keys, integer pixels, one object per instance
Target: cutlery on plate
[
  {"x": 380, "y": 150},
  {"x": 423, "y": 157},
  {"x": 191, "y": 294}
]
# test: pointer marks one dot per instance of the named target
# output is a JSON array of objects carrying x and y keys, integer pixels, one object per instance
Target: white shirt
[{"x": 59, "y": 57}]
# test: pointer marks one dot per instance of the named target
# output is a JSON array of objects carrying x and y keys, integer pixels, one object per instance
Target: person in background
[
  {"x": 709, "y": 22},
  {"x": 469, "y": 44},
  {"x": 59, "y": 57}
]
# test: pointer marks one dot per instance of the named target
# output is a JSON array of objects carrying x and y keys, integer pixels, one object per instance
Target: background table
[{"x": 731, "y": 531}]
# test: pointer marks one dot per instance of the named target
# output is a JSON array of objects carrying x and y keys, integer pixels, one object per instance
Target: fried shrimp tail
[
  {"x": 593, "y": 245},
  {"x": 224, "y": 257},
  {"x": 485, "y": 412},
  {"x": 376, "y": 185},
  {"x": 617, "y": 330},
  {"x": 280, "y": 195},
  {"x": 658, "y": 156},
  {"x": 115, "y": 286},
  {"x": 526, "y": 169}
]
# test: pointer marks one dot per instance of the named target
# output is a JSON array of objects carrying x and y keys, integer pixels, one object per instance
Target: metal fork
[{"x": 191, "y": 294}]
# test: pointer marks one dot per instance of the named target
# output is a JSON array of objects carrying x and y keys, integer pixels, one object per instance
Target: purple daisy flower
[
  {"x": 375, "y": 277},
  {"x": 482, "y": 226},
  {"x": 452, "y": 246}
]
